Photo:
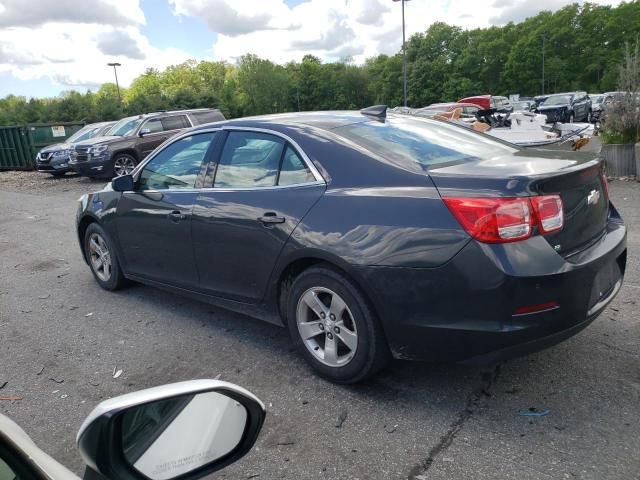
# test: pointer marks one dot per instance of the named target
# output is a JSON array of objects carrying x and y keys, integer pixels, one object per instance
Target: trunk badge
[{"x": 593, "y": 197}]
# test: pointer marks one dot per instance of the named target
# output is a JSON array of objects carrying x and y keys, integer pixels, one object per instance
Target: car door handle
[
  {"x": 270, "y": 218},
  {"x": 176, "y": 216}
]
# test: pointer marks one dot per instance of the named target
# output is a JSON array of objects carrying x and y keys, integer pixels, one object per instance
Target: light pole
[
  {"x": 543, "y": 38},
  {"x": 404, "y": 56},
  {"x": 114, "y": 65}
]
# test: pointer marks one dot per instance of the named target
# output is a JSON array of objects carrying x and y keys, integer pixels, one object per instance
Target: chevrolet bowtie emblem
[{"x": 593, "y": 197}]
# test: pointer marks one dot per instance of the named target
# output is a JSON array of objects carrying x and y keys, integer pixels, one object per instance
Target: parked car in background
[
  {"x": 132, "y": 139},
  {"x": 468, "y": 109},
  {"x": 361, "y": 232},
  {"x": 600, "y": 101},
  {"x": 54, "y": 159},
  {"x": 487, "y": 102},
  {"x": 566, "y": 107},
  {"x": 524, "y": 105}
]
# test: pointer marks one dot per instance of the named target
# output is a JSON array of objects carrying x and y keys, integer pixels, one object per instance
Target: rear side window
[
  {"x": 174, "y": 123},
  {"x": 207, "y": 117},
  {"x": 249, "y": 160},
  {"x": 410, "y": 142},
  {"x": 293, "y": 170}
]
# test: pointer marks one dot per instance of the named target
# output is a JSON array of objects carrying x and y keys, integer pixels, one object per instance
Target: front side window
[
  {"x": 177, "y": 166},
  {"x": 248, "y": 160},
  {"x": 154, "y": 125}
]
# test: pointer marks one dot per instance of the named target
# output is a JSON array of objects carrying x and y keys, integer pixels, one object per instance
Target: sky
[{"x": 49, "y": 46}]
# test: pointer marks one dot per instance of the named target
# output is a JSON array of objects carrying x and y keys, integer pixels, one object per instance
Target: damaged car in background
[
  {"x": 368, "y": 236},
  {"x": 54, "y": 159}
]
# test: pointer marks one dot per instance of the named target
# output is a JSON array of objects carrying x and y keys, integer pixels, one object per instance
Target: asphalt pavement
[{"x": 61, "y": 337}]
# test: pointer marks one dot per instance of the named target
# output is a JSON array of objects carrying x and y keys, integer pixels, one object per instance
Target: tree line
[{"x": 583, "y": 46}]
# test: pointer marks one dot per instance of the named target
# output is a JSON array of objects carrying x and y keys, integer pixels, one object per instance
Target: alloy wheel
[
  {"x": 100, "y": 257},
  {"x": 123, "y": 166},
  {"x": 326, "y": 326}
]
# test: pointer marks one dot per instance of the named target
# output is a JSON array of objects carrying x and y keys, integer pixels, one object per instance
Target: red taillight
[
  {"x": 605, "y": 185},
  {"x": 549, "y": 212},
  {"x": 493, "y": 220},
  {"x": 503, "y": 220}
]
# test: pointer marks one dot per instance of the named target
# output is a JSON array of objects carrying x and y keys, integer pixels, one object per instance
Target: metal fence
[{"x": 19, "y": 145}]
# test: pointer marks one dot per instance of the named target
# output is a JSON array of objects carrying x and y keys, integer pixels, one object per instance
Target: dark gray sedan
[{"x": 368, "y": 235}]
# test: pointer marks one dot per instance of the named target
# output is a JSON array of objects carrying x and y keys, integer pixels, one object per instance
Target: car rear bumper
[{"x": 465, "y": 311}]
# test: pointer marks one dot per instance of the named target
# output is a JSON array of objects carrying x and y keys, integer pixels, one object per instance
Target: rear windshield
[{"x": 410, "y": 141}]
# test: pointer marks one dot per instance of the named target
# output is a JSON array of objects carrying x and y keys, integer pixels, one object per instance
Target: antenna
[{"x": 379, "y": 112}]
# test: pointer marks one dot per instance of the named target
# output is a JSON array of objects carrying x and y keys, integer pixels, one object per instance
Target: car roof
[{"x": 322, "y": 120}]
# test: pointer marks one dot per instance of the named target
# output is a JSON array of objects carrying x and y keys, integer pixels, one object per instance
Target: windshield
[
  {"x": 558, "y": 100},
  {"x": 597, "y": 99},
  {"x": 125, "y": 127},
  {"x": 82, "y": 134},
  {"x": 410, "y": 141}
]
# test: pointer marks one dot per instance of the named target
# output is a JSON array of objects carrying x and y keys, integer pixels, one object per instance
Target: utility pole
[
  {"x": 404, "y": 55},
  {"x": 543, "y": 38},
  {"x": 115, "y": 72}
]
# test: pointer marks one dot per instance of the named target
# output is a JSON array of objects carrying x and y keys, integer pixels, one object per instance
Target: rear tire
[
  {"x": 102, "y": 258},
  {"x": 334, "y": 327}
]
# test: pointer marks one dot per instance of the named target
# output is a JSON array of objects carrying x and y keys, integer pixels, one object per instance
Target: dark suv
[
  {"x": 566, "y": 107},
  {"x": 132, "y": 139}
]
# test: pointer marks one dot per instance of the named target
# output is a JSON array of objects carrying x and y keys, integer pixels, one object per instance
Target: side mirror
[
  {"x": 183, "y": 430},
  {"x": 144, "y": 131},
  {"x": 123, "y": 183}
]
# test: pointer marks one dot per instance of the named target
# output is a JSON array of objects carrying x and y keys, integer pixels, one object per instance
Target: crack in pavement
[{"x": 488, "y": 379}]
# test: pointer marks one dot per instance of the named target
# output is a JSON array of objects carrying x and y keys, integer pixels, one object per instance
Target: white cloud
[
  {"x": 72, "y": 47},
  {"x": 29, "y": 13},
  {"x": 330, "y": 29}
]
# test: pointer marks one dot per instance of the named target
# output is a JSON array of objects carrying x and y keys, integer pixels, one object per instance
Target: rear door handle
[
  {"x": 271, "y": 218},
  {"x": 176, "y": 216}
]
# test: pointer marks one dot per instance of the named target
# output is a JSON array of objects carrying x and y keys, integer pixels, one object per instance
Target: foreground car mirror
[
  {"x": 123, "y": 183},
  {"x": 144, "y": 131},
  {"x": 184, "y": 430}
]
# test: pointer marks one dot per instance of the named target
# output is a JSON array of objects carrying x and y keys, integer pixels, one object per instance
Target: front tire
[
  {"x": 334, "y": 327},
  {"x": 123, "y": 164},
  {"x": 102, "y": 258}
]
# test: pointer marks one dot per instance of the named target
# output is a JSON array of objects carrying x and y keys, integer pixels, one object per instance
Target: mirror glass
[{"x": 168, "y": 438}]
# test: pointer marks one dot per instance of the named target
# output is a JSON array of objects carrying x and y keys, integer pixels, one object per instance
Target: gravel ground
[{"x": 61, "y": 337}]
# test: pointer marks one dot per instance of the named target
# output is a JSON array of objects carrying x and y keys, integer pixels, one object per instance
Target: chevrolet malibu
[{"x": 369, "y": 236}]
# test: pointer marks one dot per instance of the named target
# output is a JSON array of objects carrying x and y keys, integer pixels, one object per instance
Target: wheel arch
[
  {"x": 127, "y": 151},
  {"x": 297, "y": 264},
  {"x": 83, "y": 224}
]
